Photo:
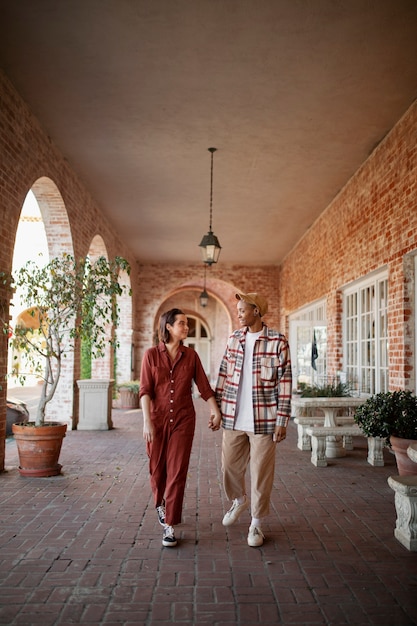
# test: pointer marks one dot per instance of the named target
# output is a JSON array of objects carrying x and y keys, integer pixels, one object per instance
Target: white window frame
[
  {"x": 365, "y": 334},
  {"x": 307, "y": 321}
]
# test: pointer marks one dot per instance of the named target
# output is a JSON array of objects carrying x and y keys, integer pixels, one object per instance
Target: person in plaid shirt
[{"x": 254, "y": 394}]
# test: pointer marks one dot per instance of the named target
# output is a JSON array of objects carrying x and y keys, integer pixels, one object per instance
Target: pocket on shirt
[{"x": 269, "y": 369}]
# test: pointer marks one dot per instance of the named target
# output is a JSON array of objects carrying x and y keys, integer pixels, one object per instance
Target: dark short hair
[{"x": 167, "y": 318}]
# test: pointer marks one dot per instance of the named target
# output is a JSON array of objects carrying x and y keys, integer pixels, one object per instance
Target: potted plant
[
  {"x": 129, "y": 394},
  {"x": 392, "y": 416},
  {"x": 333, "y": 389},
  {"x": 67, "y": 300}
]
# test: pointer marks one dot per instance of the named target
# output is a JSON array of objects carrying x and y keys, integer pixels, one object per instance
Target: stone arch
[
  {"x": 104, "y": 367},
  {"x": 58, "y": 240},
  {"x": 54, "y": 216}
]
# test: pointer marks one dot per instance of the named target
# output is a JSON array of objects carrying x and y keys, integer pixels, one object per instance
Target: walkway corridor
[{"x": 85, "y": 547}]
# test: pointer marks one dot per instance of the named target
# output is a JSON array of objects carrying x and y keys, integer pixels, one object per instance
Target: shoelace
[{"x": 168, "y": 532}]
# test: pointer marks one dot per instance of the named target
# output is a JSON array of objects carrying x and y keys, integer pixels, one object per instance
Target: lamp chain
[{"x": 212, "y": 150}]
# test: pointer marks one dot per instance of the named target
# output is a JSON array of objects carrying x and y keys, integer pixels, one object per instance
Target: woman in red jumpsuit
[{"x": 167, "y": 373}]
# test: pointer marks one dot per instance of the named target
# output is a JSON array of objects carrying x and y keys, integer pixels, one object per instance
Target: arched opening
[
  {"x": 117, "y": 363},
  {"x": 100, "y": 367},
  {"x": 43, "y": 233}
]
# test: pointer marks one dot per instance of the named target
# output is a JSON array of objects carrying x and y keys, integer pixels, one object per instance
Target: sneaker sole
[{"x": 169, "y": 544}]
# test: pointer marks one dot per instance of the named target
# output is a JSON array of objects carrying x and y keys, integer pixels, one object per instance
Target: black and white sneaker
[
  {"x": 160, "y": 510},
  {"x": 168, "y": 538}
]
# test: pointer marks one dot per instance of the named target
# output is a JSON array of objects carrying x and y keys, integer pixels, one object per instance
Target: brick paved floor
[{"x": 85, "y": 547}]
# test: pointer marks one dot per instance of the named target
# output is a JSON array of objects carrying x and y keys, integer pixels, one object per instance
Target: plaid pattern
[{"x": 272, "y": 380}]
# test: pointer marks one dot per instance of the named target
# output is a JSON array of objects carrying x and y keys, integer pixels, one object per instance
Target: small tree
[{"x": 68, "y": 300}]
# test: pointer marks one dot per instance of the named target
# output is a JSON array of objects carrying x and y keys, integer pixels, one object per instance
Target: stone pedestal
[
  {"x": 375, "y": 451},
  {"x": 95, "y": 404},
  {"x": 405, "y": 488}
]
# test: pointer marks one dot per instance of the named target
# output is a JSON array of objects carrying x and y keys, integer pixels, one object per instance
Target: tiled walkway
[{"x": 85, "y": 547}]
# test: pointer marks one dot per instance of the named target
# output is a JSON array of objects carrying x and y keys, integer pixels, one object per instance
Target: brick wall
[{"x": 371, "y": 224}]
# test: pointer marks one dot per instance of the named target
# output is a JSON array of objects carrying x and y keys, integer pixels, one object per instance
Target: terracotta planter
[
  {"x": 405, "y": 466},
  {"x": 39, "y": 448},
  {"x": 128, "y": 399}
]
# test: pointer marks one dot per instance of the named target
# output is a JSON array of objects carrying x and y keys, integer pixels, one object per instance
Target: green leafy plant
[
  {"x": 389, "y": 413},
  {"x": 67, "y": 300},
  {"x": 131, "y": 385},
  {"x": 333, "y": 389}
]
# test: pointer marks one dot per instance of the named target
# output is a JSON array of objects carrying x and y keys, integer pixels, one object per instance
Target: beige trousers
[{"x": 240, "y": 448}]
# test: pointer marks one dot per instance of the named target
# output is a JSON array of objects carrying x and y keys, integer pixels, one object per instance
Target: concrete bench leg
[
  {"x": 348, "y": 442},
  {"x": 318, "y": 451},
  {"x": 304, "y": 442},
  {"x": 405, "y": 488},
  {"x": 375, "y": 454}
]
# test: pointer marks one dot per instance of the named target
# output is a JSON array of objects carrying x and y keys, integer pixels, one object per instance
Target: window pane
[
  {"x": 365, "y": 338},
  {"x": 191, "y": 326}
]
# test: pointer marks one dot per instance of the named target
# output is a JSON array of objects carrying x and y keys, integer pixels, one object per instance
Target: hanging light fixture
[
  {"x": 204, "y": 297},
  {"x": 210, "y": 246}
]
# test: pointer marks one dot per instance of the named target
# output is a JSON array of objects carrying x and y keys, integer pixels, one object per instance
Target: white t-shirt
[{"x": 244, "y": 409}]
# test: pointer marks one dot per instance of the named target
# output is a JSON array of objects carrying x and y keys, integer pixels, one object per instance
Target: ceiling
[{"x": 294, "y": 94}]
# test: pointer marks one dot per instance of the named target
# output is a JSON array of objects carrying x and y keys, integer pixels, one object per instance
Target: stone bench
[
  {"x": 304, "y": 440},
  {"x": 405, "y": 488},
  {"x": 319, "y": 436}
]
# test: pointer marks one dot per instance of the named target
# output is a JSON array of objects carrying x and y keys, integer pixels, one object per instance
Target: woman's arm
[{"x": 148, "y": 431}]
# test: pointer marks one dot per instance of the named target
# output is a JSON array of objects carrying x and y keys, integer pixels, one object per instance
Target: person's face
[
  {"x": 178, "y": 331},
  {"x": 247, "y": 314}
]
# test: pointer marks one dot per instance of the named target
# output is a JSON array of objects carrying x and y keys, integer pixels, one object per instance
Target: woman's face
[{"x": 178, "y": 331}]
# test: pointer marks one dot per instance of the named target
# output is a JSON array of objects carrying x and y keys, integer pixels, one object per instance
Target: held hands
[
  {"x": 214, "y": 421},
  {"x": 279, "y": 434}
]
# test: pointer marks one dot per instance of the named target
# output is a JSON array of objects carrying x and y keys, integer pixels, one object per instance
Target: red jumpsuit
[{"x": 169, "y": 386}]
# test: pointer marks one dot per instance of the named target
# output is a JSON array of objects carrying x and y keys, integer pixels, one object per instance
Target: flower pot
[
  {"x": 39, "y": 448},
  {"x": 405, "y": 466},
  {"x": 128, "y": 399}
]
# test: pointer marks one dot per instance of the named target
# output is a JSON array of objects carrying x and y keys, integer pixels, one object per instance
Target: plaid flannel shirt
[{"x": 272, "y": 380}]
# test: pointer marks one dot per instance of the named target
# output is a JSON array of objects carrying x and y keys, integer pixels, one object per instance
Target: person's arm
[
  {"x": 148, "y": 430},
  {"x": 284, "y": 394},
  {"x": 146, "y": 392},
  {"x": 215, "y": 415}
]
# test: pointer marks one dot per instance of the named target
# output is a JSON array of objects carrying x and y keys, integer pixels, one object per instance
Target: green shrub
[{"x": 389, "y": 413}]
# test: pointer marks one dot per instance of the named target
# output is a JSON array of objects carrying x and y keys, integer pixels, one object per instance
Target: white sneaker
[
  {"x": 168, "y": 538},
  {"x": 255, "y": 537},
  {"x": 234, "y": 512}
]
